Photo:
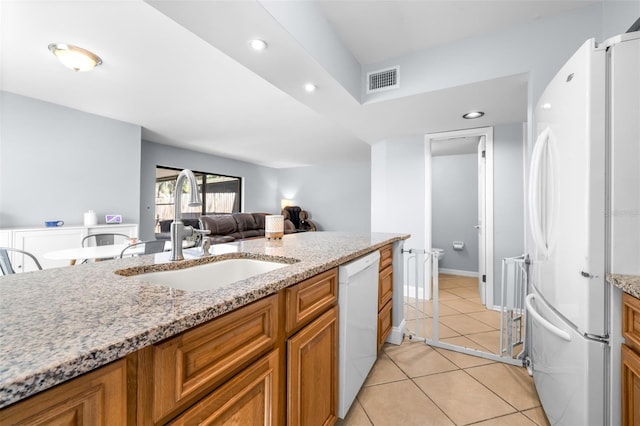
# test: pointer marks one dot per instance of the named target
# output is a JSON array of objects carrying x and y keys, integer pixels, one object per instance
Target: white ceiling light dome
[
  {"x": 74, "y": 57},
  {"x": 258, "y": 44},
  {"x": 473, "y": 114}
]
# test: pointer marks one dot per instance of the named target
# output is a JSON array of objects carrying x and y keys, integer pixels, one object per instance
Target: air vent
[{"x": 383, "y": 80}]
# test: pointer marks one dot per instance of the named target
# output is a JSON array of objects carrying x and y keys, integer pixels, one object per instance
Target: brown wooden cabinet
[
  {"x": 312, "y": 352},
  {"x": 96, "y": 398},
  {"x": 250, "y": 398},
  {"x": 385, "y": 294},
  {"x": 271, "y": 361},
  {"x": 630, "y": 360},
  {"x": 630, "y": 387},
  {"x": 176, "y": 373},
  {"x": 312, "y": 372}
]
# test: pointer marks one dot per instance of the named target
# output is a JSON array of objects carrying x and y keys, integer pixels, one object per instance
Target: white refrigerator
[{"x": 584, "y": 187}]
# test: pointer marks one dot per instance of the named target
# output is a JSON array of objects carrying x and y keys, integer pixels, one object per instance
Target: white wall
[
  {"x": 618, "y": 16},
  {"x": 307, "y": 24},
  {"x": 259, "y": 191},
  {"x": 539, "y": 48},
  {"x": 398, "y": 188},
  {"x": 57, "y": 163},
  {"x": 337, "y": 196},
  {"x": 508, "y": 197}
]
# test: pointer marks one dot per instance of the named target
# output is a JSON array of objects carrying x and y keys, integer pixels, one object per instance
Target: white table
[
  {"x": 96, "y": 252},
  {"x": 101, "y": 252}
]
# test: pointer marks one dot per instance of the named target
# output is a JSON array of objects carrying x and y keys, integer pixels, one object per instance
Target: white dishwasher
[{"x": 358, "y": 302}]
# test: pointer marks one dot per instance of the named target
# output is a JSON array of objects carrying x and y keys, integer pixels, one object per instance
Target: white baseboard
[
  {"x": 397, "y": 334},
  {"x": 458, "y": 272},
  {"x": 499, "y": 309}
]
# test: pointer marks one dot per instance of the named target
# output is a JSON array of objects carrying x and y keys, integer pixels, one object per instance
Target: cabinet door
[
  {"x": 631, "y": 321},
  {"x": 5, "y": 238},
  {"x": 385, "y": 286},
  {"x": 40, "y": 241},
  {"x": 384, "y": 324},
  {"x": 386, "y": 256},
  {"x": 250, "y": 398},
  {"x": 187, "y": 367},
  {"x": 96, "y": 398},
  {"x": 630, "y": 387},
  {"x": 312, "y": 372}
]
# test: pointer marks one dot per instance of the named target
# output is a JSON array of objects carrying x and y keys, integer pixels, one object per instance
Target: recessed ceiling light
[
  {"x": 473, "y": 114},
  {"x": 74, "y": 57},
  {"x": 257, "y": 44},
  {"x": 546, "y": 106},
  {"x": 309, "y": 87}
]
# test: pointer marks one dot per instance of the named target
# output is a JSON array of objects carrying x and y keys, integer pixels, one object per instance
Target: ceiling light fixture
[
  {"x": 473, "y": 114},
  {"x": 258, "y": 44},
  {"x": 74, "y": 57},
  {"x": 309, "y": 87}
]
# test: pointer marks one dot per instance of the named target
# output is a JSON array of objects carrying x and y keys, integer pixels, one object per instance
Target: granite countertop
[
  {"x": 59, "y": 323},
  {"x": 628, "y": 283}
]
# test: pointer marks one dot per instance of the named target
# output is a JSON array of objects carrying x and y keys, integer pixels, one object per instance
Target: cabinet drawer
[
  {"x": 385, "y": 286},
  {"x": 386, "y": 256},
  {"x": 384, "y": 324},
  {"x": 308, "y": 299},
  {"x": 190, "y": 365},
  {"x": 631, "y": 320},
  {"x": 250, "y": 398}
]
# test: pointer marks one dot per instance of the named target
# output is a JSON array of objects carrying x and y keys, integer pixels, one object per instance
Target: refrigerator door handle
[
  {"x": 544, "y": 147},
  {"x": 543, "y": 322}
]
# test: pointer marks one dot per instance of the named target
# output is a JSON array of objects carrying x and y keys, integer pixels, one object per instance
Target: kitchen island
[
  {"x": 61, "y": 323},
  {"x": 630, "y": 284}
]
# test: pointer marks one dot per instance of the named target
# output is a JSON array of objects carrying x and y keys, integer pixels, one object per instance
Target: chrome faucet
[{"x": 178, "y": 231}]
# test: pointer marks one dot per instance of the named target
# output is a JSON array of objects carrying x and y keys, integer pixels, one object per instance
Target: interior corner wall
[
  {"x": 337, "y": 196},
  {"x": 398, "y": 188},
  {"x": 618, "y": 16},
  {"x": 56, "y": 163},
  {"x": 454, "y": 202},
  {"x": 508, "y": 197},
  {"x": 259, "y": 183}
]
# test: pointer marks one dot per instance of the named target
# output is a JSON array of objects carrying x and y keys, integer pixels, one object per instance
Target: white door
[{"x": 482, "y": 270}]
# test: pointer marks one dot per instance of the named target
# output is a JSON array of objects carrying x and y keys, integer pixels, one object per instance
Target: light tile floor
[{"x": 415, "y": 384}]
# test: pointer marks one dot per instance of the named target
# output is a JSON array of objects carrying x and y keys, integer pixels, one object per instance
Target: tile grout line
[
  {"x": 419, "y": 388},
  {"x": 466, "y": 314}
]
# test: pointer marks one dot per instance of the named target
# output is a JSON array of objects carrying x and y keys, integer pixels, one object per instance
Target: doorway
[
  {"x": 464, "y": 159},
  {"x": 457, "y": 309}
]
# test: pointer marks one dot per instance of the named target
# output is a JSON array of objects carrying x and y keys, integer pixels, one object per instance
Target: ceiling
[{"x": 210, "y": 93}]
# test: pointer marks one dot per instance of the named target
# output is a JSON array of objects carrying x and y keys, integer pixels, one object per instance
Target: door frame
[{"x": 487, "y": 132}]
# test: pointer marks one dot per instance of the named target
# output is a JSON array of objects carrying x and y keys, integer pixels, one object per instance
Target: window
[{"x": 219, "y": 194}]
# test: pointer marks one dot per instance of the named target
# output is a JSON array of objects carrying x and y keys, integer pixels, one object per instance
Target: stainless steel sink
[{"x": 211, "y": 275}]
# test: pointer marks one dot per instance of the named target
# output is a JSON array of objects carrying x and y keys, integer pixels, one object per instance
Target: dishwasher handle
[{"x": 543, "y": 322}]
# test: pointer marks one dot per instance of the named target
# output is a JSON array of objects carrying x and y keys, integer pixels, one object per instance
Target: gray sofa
[{"x": 226, "y": 228}]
